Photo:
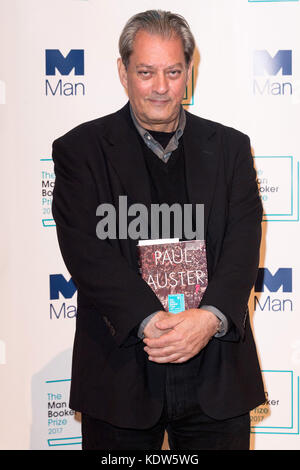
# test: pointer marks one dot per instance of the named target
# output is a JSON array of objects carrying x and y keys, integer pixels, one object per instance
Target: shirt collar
[{"x": 163, "y": 154}]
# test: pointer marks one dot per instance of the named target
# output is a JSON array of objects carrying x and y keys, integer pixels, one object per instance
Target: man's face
[{"x": 155, "y": 80}]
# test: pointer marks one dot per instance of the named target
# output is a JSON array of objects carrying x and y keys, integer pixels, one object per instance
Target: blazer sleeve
[
  {"x": 236, "y": 270},
  {"x": 98, "y": 269}
]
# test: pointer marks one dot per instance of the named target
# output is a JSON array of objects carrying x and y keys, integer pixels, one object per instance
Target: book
[{"x": 175, "y": 270}]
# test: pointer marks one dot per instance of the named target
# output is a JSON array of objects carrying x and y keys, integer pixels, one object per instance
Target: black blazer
[{"x": 112, "y": 378}]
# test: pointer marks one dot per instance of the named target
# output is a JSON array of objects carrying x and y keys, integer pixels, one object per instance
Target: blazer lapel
[
  {"x": 201, "y": 156},
  {"x": 125, "y": 154},
  {"x": 123, "y": 148}
]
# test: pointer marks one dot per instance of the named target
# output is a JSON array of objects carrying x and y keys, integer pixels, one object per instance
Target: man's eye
[
  {"x": 144, "y": 74},
  {"x": 174, "y": 73}
]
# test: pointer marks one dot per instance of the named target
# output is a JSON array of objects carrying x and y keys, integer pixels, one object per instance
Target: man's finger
[
  {"x": 168, "y": 322},
  {"x": 157, "y": 352},
  {"x": 163, "y": 341},
  {"x": 180, "y": 360},
  {"x": 174, "y": 357}
]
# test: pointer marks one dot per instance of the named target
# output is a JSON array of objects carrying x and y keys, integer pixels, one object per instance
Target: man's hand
[
  {"x": 184, "y": 335},
  {"x": 151, "y": 330}
]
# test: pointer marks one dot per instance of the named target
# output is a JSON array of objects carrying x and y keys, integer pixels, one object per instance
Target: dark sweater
[
  {"x": 167, "y": 180},
  {"x": 168, "y": 185}
]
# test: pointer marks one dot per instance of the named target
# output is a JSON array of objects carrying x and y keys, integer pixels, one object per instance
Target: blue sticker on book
[{"x": 176, "y": 303}]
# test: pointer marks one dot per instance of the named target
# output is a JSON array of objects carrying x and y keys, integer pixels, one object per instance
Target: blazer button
[
  {"x": 113, "y": 331},
  {"x": 108, "y": 323}
]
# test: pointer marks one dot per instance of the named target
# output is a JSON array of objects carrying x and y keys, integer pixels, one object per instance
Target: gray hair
[{"x": 163, "y": 23}]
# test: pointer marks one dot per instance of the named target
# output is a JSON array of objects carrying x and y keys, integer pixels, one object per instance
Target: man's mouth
[{"x": 158, "y": 101}]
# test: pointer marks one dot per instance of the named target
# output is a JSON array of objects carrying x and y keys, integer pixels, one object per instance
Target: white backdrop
[{"x": 255, "y": 92}]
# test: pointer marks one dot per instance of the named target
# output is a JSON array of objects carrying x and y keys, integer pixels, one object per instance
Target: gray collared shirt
[{"x": 163, "y": 154}]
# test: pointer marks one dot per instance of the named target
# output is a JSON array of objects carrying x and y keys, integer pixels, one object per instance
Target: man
[{"x": 138, "y": 370}]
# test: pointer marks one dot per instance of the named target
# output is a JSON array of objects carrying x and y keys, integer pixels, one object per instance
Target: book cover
[{"x": 175, "y": 270}]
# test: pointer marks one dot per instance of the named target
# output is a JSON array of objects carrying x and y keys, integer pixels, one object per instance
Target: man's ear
[{"x": 122, "y": 73}]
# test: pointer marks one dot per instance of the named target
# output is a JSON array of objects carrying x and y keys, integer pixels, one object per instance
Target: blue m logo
[
  {"x": 264, "y": 63},
  {"x": 282, "y": 278},
  {"x": 58, "y": 284},
  {"x": 64, "y": 65}
]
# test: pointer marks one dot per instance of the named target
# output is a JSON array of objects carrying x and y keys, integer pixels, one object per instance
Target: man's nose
[{"x": 160, "y": 84}]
